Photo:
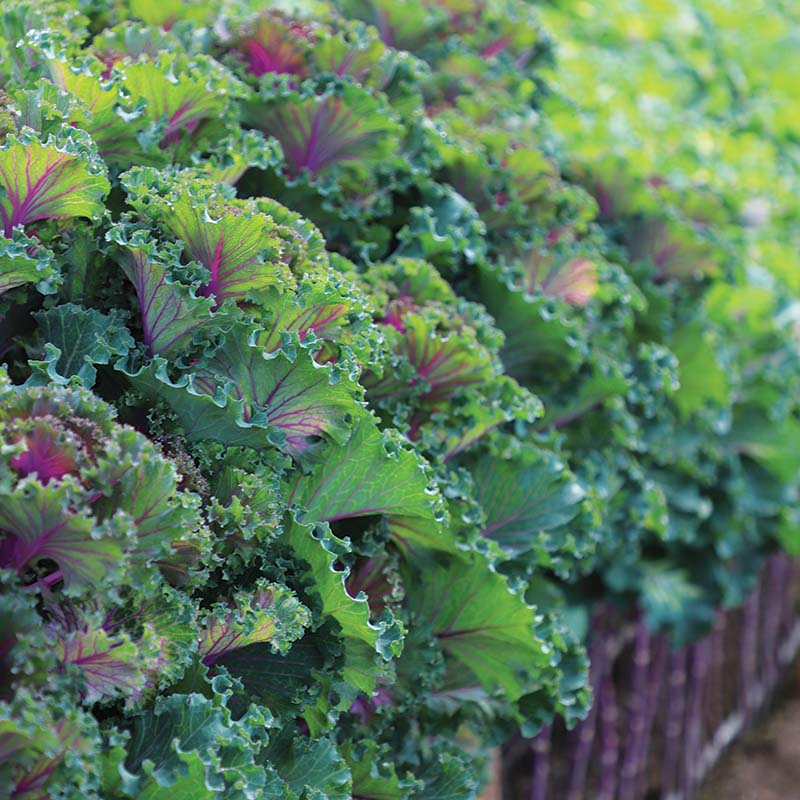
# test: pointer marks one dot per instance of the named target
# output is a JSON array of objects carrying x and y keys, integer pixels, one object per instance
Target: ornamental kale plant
[{"x": 343, "y": 374}]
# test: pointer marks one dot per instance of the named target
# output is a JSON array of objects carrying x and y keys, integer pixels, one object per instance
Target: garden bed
[{"x": 366, "y": 367}]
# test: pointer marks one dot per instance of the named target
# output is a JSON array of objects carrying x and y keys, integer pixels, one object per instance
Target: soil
[{"x": 765, "y": 764}]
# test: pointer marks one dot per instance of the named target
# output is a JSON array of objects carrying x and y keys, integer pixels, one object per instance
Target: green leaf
[
  {"x": 444, "y": 230},
  {"x": 592, "y": 392},
  {"x": 188, "y": 785},
  {"x": 374, "y": 778},
  {"x": 673, "y": 600},
  {"x": 285, "y": 683},
  {"x": 164, "y": 12},
  {"x": 176, "y": 724},
  {"x": 447, "y": 777},
  {"x": 788, "y": 533},
  {"x": 524, "y": 496},
  {"x": 702, "y": 379},
  {"x": 773, "y": 443},
  {"x": 480, "y": 622},
  {"x": 371, "y": 474},
  {"x": 189, "y": 744},
  {"x": 541, "y": 333},
  {"x": 23, "y": 260},
  {"x": 364, "y": 640},
  {"x": 83, "y": 337},
  {"x": 312, "y": 768},
  {"x": 162, "y": 515}
]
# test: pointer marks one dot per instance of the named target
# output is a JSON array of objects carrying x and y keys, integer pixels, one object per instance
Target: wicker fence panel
[{"x": 662, "y": 717}]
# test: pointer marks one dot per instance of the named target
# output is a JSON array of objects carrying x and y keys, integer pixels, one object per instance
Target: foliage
[{"x": 353, "y": 352}]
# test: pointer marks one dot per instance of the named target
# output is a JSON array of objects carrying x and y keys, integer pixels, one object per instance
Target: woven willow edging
[{"x": 662, "y": 717}]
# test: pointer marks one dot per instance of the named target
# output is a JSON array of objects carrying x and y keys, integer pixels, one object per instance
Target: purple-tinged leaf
[
  {"x": 114, "y": 135},
  {"x": 48, "y": 454},
  {"x": 275, "y": 44},
  {"x": 676, "y": 250},
  {"x": 240, "y": 247},
  {"x": 612, "y": 185},
  {"x": 37, "y": 526},
  {"x": 222, "y": 636},
  {"x": 506, "y": 193},
  {"x": 189, "y": 98},
  {"x": 269, "y": 614},
  {"x": 413, "y": 534},
  {"x": 52, "y": 432},
  {"x": 441, "y": 363},
  {"x": 22, "y": 735},
  {"x": 536, "y": 333},
  {"x": 111, "y": 666},
  {"x": 379, "y": 579},
  {"x": 444, "y": 363},
  {"x": 46, "y": 747},
  {"x": 575, "y": 281},
  {"x": 50, "y": 180},
  {"x": 323, "y": 319},
  {"x": 82, "y": 491},
  {"x": 406, "y": 26},
  {"x": 171, "y": 314},
  {"x": 532, "y": 176},
  {"x": 349, "y": 129},
  {"x": 356, "y": 53},
  {"x": 297, "y": 399},
  {"x": 235, "y": 244},
  {"x": 245, "y": 395},
  {"x": 512, "y": 34},
  {"x": 552, "y": 267}
]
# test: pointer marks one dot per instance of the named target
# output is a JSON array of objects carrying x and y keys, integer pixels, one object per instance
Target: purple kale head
[{"x": 82, "y": 496}]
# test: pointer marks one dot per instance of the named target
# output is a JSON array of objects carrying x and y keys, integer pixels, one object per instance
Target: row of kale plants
[
  {"x": 352, "y": 354},
  {"x": 699, "y": 94}
]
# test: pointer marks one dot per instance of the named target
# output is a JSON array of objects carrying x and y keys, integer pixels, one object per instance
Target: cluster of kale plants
[{"x": 339, "y": 387}]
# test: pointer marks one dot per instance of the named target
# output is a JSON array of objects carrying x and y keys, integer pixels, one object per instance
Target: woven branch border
[{"x": 662, "y": 717}]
